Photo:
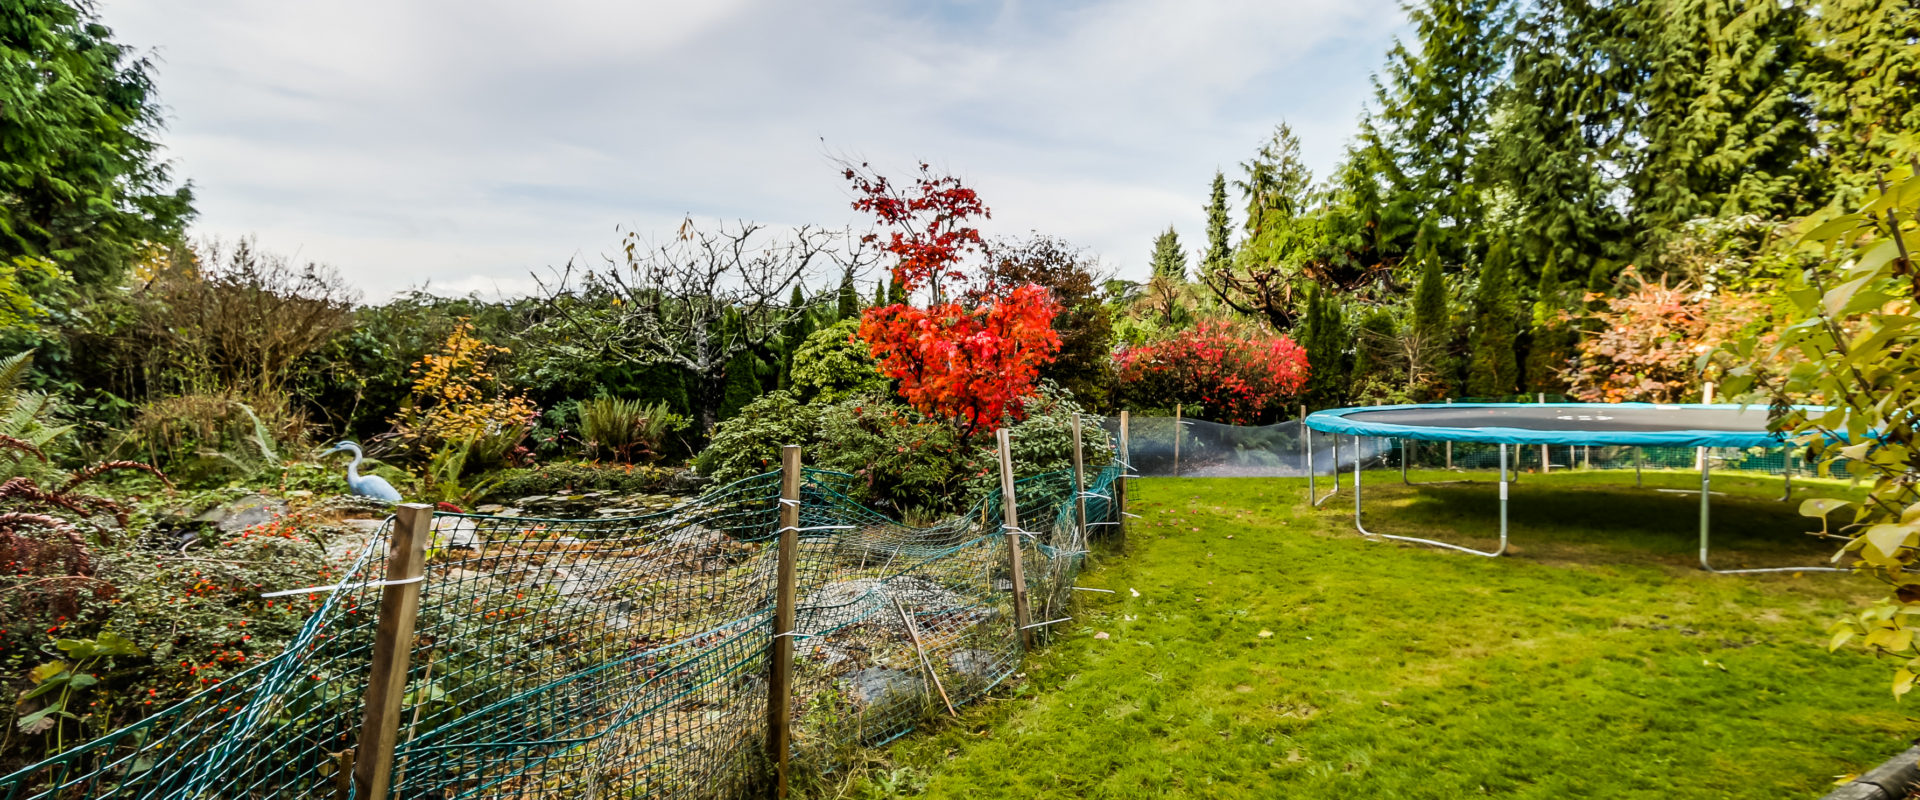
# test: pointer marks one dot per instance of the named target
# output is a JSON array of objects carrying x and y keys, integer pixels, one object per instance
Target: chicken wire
[{"x": 621, "y": 657}]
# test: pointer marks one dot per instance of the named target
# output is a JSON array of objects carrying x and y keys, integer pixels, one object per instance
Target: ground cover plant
[{"x": 1256, "y": 647}]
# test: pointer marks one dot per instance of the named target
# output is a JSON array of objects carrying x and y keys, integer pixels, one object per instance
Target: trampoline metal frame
[{"x": 1706, "y": 502}]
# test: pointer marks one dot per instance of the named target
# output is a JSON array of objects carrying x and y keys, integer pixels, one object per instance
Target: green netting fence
[{"x": 621, "y": 657}]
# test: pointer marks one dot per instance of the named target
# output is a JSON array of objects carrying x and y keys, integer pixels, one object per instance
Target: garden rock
[
  {"x": 244, "y": 513},
  {"x": 875, "y": 685}
]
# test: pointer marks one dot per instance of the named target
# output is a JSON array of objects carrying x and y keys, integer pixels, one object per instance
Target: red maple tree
[{"x": 970, "y": 356}]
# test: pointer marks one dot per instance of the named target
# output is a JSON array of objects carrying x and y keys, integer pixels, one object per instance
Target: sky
[{"x": 464, "y": 145}]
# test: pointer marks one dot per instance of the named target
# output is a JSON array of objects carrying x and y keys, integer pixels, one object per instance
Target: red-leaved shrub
[{"x": 1238, "y": 376}]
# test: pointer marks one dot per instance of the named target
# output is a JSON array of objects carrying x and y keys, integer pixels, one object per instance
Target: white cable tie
[
  {"x": 794, "y": 634},
  {"x": 1019, "y": 532},
  {"x": 1091, "y": 589},
  {"x": 816, "y": 528},
  {"x": 1094, "y": 494},
  {"x": 1091, "y": 524},
  {"x": 338, "y": 586},
  {"x": 1131, "y": 514},
  {"x": 787, "y": 501},
  {"x": 1048, "y": 622}
]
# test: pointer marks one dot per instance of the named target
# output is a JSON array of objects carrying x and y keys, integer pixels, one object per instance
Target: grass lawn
[{"x": 1273, "y": 652}]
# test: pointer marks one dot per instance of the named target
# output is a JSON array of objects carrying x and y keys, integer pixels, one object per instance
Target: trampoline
[{"x": 1524, "y": 424}]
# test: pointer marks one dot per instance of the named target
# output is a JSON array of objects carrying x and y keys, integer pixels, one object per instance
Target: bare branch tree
[{"x": 700, "y": 299}]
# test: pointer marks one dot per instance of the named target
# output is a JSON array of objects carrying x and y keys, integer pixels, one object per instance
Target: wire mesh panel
[{"x": 620, "y": 657}]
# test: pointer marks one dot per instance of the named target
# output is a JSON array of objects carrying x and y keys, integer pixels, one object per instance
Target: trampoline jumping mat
[{"x": 1640, "y": 424}]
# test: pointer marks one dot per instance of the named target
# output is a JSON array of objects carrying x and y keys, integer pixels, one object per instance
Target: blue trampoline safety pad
[{"x": 1636, "y": 424}]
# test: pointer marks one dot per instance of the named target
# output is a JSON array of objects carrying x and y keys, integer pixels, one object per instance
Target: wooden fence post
[
  {"x": 1079, "y": 480},
  {"x": 780, "y": 682},
  {"x": 1177, "y": 436},
  {"x": 1010, "y": 520},
  {"x": 392, "y": 647}
]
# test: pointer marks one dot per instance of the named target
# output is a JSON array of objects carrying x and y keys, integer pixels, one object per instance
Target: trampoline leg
[
  {"x": 1636, "y": 467},
  {"x": 1786, "y": 481},
  {"x": 1706, "y": 495},
  {"x": 1403, "y": 462},
  {"x": 1503, "y": 511}
]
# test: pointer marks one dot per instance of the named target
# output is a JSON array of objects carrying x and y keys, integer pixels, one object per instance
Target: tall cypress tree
[
  {"x": 1553, "y": 339},
  {"x": 796, "y": 331},
  {"x": 1324, "y": 337},
  {"x": 1430, "y": 329},
  {"x": 881, "y": 296},
  {"x": 1219, "y": 228},
  {"x": 849, "y": 298},
  {"x": 1493, "y": 368},
  {"x": 1169, "y": 260}
]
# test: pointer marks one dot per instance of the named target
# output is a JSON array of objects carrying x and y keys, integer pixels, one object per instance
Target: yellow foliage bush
[{"x": 457, "y": 400}]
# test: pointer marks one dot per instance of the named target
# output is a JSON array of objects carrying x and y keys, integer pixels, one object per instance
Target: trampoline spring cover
[{"x": 1637, "y": 424}]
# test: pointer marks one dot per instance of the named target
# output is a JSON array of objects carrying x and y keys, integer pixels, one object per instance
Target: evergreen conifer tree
[
  {"x": 1553, "y": 337},
  {"x": 1723, "y": 122},
  {"x": 1169, "y": 260},
  {"x": 1219, "y": 229},
  {"x": 1432, "y": 112},
  {"x": 1430, "y": 330},
  {"x": 1865, "y": 83},
  {"x": 1493, "y": 368},
  {"x": 849, "y": 299}
]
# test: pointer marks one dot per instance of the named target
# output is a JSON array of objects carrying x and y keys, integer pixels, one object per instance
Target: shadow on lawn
[{"x": 1580, "y": 518}]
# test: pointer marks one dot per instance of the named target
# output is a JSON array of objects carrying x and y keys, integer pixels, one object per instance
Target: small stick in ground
[{"x": 914, "y": 634}]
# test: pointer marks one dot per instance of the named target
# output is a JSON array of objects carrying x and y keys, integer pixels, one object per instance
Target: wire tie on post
[
  {"x": 1091, "y": 589},
  {"x": 1131, "y": 514},
  {"x": 816, "y": 528},
  {"x": 1048, "y": 622},
  {"x": 338, "y": 586},
  {"x": 788, "y": 501}
]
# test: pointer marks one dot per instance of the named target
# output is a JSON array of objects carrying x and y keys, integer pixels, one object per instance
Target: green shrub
[
  {"x": 569, "y": 477},
  {"x": 749, "y": 443},
  {"x": 900, "y": 458},
  {"x": 832, "y": 365}
]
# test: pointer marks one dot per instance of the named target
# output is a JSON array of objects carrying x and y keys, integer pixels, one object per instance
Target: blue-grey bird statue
[{"x": 372, "y": 486}]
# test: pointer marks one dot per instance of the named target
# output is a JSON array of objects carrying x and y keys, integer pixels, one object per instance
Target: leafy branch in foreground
[{"x": 1844, "y": 377}]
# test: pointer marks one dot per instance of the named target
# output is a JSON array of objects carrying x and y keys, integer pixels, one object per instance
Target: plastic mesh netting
[
  {"x": 1199, "y": 449},
  {"x": 621, "y": 657}
]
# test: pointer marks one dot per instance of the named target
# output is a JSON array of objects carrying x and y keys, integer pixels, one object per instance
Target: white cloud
[{"x": 465, "y": 143}]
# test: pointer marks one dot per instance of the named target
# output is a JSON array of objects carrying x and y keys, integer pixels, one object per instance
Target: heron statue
[{"x": 372, "y": 486}]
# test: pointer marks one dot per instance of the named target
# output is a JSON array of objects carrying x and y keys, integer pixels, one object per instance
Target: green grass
[{"x": 1297, "y": 659}]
